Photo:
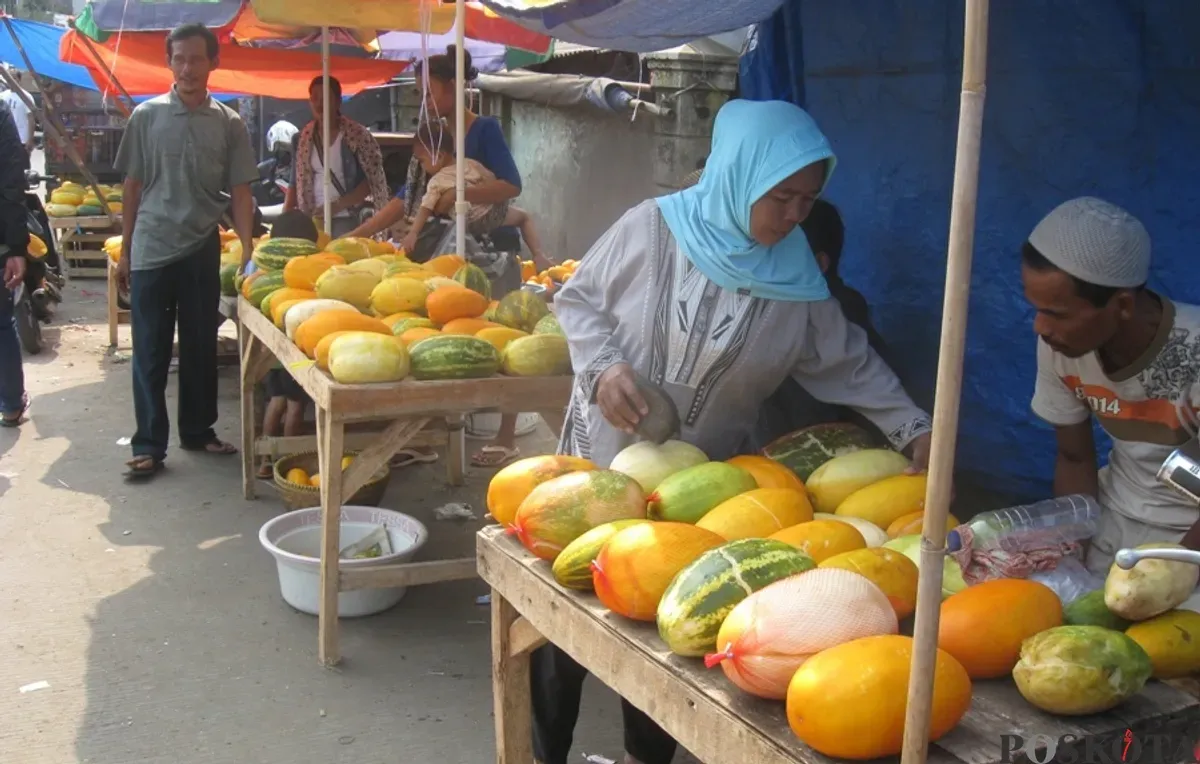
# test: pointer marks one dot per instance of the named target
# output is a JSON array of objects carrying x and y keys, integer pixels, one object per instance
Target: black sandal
[
  {"x": 19, "y": 419},
  {"x": 216, "y": 447},
  {"x": 143, "y": 468}
]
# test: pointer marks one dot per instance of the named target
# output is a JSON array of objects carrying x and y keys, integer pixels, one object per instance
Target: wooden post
[
  {"x": 510, "y": 682},
  {"x": 50, "y": 121},
  {"x": 329, "y": 456},
  {"x": 949, "y": 382}
]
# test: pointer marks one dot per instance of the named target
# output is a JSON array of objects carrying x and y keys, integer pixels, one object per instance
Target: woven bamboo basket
[{"x": 303, "y": 496}]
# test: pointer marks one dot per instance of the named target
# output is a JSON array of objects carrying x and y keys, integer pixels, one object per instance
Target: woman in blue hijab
[{"x": 713, "y": 294}]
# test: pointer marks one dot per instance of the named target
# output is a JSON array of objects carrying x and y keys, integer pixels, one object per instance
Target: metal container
[{"x": 1181, "y": 471}]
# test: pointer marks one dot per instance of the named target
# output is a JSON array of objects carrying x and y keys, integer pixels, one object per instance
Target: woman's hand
[
  {"x": 919, "y": 449},
  {"x": 619, "y": 399}
]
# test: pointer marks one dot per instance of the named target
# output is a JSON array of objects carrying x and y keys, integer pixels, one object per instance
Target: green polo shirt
[{"x": 184, "y": 159}]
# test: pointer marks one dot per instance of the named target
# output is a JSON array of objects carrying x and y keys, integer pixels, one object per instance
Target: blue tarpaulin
[
  {"x": 1084, "y": 97},
  {"x": 41, "y": 44}
]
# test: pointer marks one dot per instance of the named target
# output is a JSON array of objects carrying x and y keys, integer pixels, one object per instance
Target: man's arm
[
  {"x": 131, "y": 198},
  {"x": 352, "y": 199},
  {"x": 1075, "y": 468},
  {"x": 243, "y": 219}
]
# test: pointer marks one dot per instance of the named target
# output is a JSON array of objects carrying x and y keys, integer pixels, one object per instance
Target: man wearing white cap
[{"x": 1109, "y": 347}]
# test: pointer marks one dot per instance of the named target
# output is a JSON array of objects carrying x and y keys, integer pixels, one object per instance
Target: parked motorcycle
[{"x": 34, "y": 300}]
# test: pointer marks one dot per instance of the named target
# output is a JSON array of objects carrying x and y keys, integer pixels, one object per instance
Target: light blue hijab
[{"x": 756, "y": 145}]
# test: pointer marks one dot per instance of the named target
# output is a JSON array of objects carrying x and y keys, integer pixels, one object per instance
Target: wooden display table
[
  {"x": 703, "y": 710},
  {"x": 409, "y": 407},
  {"x": 81, "y": 244}
]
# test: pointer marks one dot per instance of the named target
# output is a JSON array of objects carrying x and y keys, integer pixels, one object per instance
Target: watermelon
[
  {"x": 696, "y": 603},
  {"x": 89, "y": 210},
  {"x": 573, "y": 566},
  {"x": 454, "y": 357},
  {"x": 473, "y": 278},
  {"x": 688, "y": 495},
  {"x": 548, "y": 325},
  {"x": 538, "y": 355},
  {"x": 561, "y": 510},
  {"x": 263, "y": 286},
  {"x": 229, "y": 279},
  {"x": 521, "y": 310},
  {"x": 804, "y": 450},
  {"x": 273, "y": 254}
]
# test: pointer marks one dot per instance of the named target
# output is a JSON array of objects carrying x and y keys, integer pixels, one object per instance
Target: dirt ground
[{"x": 154, "y": 615}]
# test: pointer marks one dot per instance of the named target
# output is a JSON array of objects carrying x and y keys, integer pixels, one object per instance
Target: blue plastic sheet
[
  {"x": 41, "y": 44},
  {"x": 1095, "y": 97}
]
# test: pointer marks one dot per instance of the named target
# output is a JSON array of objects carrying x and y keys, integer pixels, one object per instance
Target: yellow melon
[
  {"x": 757, "y": 514},
  {"x": 884, "y": 502},
  {"x": 822, "y": 539}
]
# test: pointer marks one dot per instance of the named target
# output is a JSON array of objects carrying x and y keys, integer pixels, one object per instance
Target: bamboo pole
[
  {"x": 460, "y": 129},
  {"x": 949, "y": 382},
  {"x": 50, "y": 121},
  {"x": 325, "y": 130}
]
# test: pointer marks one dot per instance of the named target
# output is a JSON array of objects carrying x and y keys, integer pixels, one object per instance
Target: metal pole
[
  {"x": 325, "y": 129},
  {"x": 460, "y": 128}
]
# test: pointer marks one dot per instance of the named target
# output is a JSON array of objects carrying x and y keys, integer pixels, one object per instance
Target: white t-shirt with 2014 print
[{"x": 1139, "y": 407}]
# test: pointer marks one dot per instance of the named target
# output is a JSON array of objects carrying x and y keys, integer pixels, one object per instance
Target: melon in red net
[
  {"x": 771, "y": 633},
  {"x": 561, "y": 510}
]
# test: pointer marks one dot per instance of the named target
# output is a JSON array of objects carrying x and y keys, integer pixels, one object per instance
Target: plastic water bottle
[
  {"x": 1070, "y": 580},
  {"x": 1044, "y": 525}
]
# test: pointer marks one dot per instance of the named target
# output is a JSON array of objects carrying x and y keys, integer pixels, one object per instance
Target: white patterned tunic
[{"x": 719, "y": 354}]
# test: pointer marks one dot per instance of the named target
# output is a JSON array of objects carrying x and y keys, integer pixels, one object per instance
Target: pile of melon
[
  {"x": 552, "y": 277},
  {"x": 74, "y": 200},
  {"x": 366, "y": 314},
  {"x": 793, "y": 578}
]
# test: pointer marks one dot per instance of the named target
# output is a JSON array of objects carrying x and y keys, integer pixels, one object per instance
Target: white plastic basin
[
  {"x": 294, "y": 539},
  {"x": 485, "y": 426}
]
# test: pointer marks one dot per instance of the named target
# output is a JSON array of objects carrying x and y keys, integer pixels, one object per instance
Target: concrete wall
[{"x": 581, "y": 170}]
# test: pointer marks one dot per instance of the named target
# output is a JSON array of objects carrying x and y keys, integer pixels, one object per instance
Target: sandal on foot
[
  {"x": 17, "y": 419},
  {"x": 495, "y": 456},
  {"x": 265, "y": 471},
  {"x": 406, "y": 457},
  {"x": 143, "y": 468},
  {"x": 215, "y": 446}
]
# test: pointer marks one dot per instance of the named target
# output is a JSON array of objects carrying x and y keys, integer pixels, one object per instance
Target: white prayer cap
[{"x": 1095, "y": 241}]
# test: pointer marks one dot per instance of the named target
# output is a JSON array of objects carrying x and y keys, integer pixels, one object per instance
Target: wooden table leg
[
  {"x": 456, "y": 452},
  {"x": 113, "y": 307},
  {"x": 256, "y": 360},
  {"x": 510, "y": 683},
  {"x": 330, "y": 436}
]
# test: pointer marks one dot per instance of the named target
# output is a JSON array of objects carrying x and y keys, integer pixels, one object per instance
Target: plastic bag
[{"x": 1070, "y": 580}]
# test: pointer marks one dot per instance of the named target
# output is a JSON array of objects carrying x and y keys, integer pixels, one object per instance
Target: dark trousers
[
  {"x": 557, "y": 686},
  {"x": 189, "y": 290}
]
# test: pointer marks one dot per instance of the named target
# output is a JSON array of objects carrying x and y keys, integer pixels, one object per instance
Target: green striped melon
[
  {"x": 454, "y": 356},
  {"x": 521, "y": 310},
  {"x": 89, "y": 210},
  {"x": 273, "y": 254},
  {"x": 702, "y": 594},
  {"x": 404, "y": 324},
  {"x": 548, "y": 325},
  {"x": 573, "y": 566},
  {"x": 538, "y": 355},
  {"x": 263, "y": 286},
  {"x": 804, "y": 450},
  {"x": 229, "y": 279},
  {"x": 473, "y": 278},
  {"x": 689, "y": 494}
]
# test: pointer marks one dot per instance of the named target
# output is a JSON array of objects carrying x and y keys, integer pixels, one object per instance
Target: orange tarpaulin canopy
[{"x": 138, "y": 61}]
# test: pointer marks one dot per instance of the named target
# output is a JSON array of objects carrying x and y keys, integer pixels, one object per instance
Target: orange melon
[
  {"x": 511, "y": 485},
  {"x": 850, "y": 701},
  {"x": 757, "y": 513},
  {"x": 309, "y": 333},
  {"x": 321, "y": 353},
  {"x": 411, "y": 336},
  {"x": 634, "y": 568},
  {"x": 984, "y": 625},
  {"x": 561, "y": 510},
  {"x": 892, "y": 572},
  {"x": 768, "y": 473},
  {"x": 467, "y": 326},
  {"x": 822, "y": 539},
  {"x": 906, "y": 525}
]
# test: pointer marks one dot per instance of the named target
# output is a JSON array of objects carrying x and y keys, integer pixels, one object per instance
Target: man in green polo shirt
[{"x": 180, "y": 152}]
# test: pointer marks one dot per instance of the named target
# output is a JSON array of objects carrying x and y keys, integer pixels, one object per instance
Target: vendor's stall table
[
  {"x": 702, "y": 710},
  {"x": 81, "y": 244},
  {"x": 409, "y": 407}
]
